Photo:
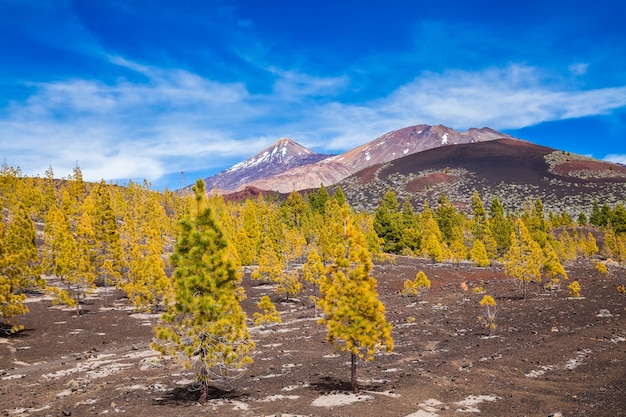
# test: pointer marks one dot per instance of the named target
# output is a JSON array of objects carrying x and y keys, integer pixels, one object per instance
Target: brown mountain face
[
  {"x": 283, "y": 155},
  {"x": 390, "y": 146},
  {"x": 410, "y": 140},
  {"x": 514, "y": 171}
]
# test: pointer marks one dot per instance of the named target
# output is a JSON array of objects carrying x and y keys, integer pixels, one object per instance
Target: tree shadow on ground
[
  {"x": 330, "y": 384},
  {"x": 190, "y": 395},
  {"x": 5, "y": 332}
]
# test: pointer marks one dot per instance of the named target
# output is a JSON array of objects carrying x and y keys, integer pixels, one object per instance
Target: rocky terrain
[
  {"x": 550, "y": 353},
  {"x": 514, "y": 171}
]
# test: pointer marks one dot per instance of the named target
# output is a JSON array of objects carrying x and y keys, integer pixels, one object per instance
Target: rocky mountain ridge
[{"x": 286, "y": 166}]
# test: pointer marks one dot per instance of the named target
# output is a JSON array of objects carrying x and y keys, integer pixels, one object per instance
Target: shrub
[
  {"x": 489, "y": 305},
  {"x": 574, "y": 289}
]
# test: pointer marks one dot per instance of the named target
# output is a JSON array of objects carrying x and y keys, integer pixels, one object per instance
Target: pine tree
[
  {"x": 478, "y": 222},
  {"x": 610, "y": 247},
  {"x": 205, "y": 323},
  {"x": 317, "y": 200},
  {"x": 19, "y": 265},
  {"x": 270, "y": 265},
  {"x": 491, "y": 246},
  {"x": 354, "y": 316},
  {"x": 618, "y": 219},
  {"x": 490, "y": 312},
  {"x": 62, "y": 258},
  {"x": 447, "y": 219},
  {"x": 269, "y": 313},
  {"x": 458, "y": 250},
  {"x": 410, "y": 229},
  {"x": 524, "y": 259},
  {"x": 293, "y": 210},
  {"x": 552, "y": 267},
  {"x": 433, "y": 248},
  {"x": 313, "y": 272},
  {"x": 501, "y": 227},
  {"x": 413, "y": 287},
  {"x": 596, "y": 216},
  {"x": 590, "y": 245},
  {"x": 478, "y": 254},
  {"x": 107, "y": 242},
  {"x": 387, "y": 223}
]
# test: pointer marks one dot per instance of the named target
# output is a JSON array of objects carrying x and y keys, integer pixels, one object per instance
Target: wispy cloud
[
  {"x": 511, "y": 97},
  {"x": 163, "y": 121},
  {"x": 618, "y": 158}
]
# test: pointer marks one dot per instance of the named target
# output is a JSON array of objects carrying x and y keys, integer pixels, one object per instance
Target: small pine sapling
[
  {"x": 489, "y": 305},
  {"x": 574, "y": 289},
  {"x": 412, "y": 288},
  {"x": 621, "y": 289},
  {"x": 409, "y": 289},
  {"x": 601, "y": 268},
  {"x": 269, "y": 315}
]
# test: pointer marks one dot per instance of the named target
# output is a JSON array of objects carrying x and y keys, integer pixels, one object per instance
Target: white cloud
[
  {"x": 579, "y": 68},
  {"x": 501, "y": 98},
  {"x": 292, "y": 85},
  {"x": 176, "y": 121},
  {"x": 617, "y": 158}
]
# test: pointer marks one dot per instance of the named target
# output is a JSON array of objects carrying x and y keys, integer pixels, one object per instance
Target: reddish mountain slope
[
  {"x": 390, "y": 146},
  {"x": 514, "y": 171}
]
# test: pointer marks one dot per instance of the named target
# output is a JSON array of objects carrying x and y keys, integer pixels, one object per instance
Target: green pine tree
[{"x": 205, "y": 323}]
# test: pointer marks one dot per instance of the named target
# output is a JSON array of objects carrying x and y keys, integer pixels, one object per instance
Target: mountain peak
[
  {"x": 281, "y": 156},
  {"x": 283, "y": 150}
]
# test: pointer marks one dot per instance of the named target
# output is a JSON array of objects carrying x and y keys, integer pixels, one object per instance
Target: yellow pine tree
[
  {"x": 61, "y": 257},
  {"x": 574, "y": 289},
  {"x": 610, "y": 248},
  {"x": 148, "y": 287},
  {"x": 432, "y": 248},
  {"x": 313, "y": 272},
  {"x": 245, "y": 248},
  {"x": 270, "y": 265},
  {"x": 478, "y": 254},
  {"x": 269, "y": 313},
  {"x": 490, "y": 244},
  {"x": 107, "y": 244},
  {"x": 490, "y": 312},
  {"x": 552, "y": 267},
  {"x": 19, "y": 265},
  {"x": 413, "y": 287},
  {"x": 524, "y": 259},
  {"x": 204, "y": 323},
  {"x": 354, "y": 316},
  {"x": 81, "y": 280},
  {"x": 251, "y": 225},
  {"x": 458, "y": 250},
  {"x": 590, "y": 245},
  {"x": 289, "y": 282}
]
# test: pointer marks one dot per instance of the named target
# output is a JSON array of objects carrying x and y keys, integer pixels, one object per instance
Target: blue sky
[{"x": 147, "y": 89}]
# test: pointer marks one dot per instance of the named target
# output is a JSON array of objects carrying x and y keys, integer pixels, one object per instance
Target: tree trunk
[
  {"x": 205, "y": 393},
  {"x": 355, "y": 385}
]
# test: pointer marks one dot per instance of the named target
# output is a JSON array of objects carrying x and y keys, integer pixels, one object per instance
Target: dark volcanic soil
[{"x": 550, "y": 353}]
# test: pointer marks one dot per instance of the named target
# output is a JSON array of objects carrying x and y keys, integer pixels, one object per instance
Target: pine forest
[{"x": 185, "y": 255}]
